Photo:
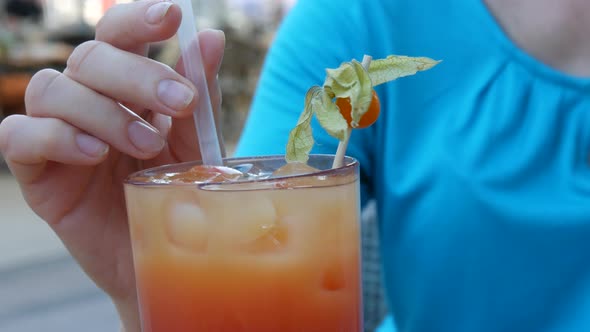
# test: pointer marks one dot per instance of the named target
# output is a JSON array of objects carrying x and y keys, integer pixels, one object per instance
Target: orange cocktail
[{"x": 253, "y": 254}]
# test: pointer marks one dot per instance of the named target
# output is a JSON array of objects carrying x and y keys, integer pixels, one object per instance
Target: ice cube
[
  {"x": 244, "y": 168},
  {"x": 187, "y": 225},
  {"x": 204, "y": 174},
  {"x": 251, "y": 220},
  {"x": 252, "y": 172},
  {"x": 271, "y": 241},
  {"x": 290, "y": 172},
  {"x": 294, "y": 168},
  {"x": 137, "y": 236}
]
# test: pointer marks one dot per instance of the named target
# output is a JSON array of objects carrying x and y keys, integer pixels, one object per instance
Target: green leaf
[
  {"x": 329, "y": 115},
  {"x": 351, "y": 80},
  {"x": 301, "y": 138},
  {"x": 396, "y": 66}
]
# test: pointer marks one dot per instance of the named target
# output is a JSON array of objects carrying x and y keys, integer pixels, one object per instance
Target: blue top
[{"x": 479, "y": 166}]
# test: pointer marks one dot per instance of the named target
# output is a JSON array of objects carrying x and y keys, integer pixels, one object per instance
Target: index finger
[{"x": 132, "y": 26}]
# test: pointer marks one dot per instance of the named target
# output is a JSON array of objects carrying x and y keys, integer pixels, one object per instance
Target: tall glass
[{"x": 264, "y": 254}]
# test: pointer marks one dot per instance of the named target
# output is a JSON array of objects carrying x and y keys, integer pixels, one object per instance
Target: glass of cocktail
[{"x": 247, "y": 250}]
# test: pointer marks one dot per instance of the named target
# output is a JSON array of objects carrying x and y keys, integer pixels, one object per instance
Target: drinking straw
[{"x": 194, "y": 71}]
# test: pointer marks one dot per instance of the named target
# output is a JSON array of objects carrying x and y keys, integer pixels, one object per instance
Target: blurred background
[
  {"x": 41, "y": 288},
  {"x": 36, "y": 34}
]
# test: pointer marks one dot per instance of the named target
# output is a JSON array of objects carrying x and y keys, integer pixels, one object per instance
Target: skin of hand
[{"x": 111, "y": 112}]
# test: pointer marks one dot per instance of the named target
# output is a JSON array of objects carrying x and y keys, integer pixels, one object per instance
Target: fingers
[
  {"x": 28, "y": 140},
  {"x": 28, "y": 143},
  {"x": 99, "y": 76},
  {"x": 54, "y": 95},
  {"x": 132, "y": 26},
  {"x": 127, "y": 77}
]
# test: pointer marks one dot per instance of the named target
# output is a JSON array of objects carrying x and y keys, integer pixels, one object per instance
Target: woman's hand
[{"x": 109, "y": 113}]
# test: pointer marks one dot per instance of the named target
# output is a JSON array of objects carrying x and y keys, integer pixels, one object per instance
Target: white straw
[{"x": 194, "y": 71}]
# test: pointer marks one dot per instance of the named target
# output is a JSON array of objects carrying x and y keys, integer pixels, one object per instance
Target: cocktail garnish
[{"x": 351, "y": 83}]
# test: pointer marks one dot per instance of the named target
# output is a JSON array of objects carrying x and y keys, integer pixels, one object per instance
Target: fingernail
[
  {"x": 145, "y": 138},
  {"x": 219, "y": 34},
  {"x": 91, "y": 146},
  {"x": 155, "y": 14},
  {"x": 175, "y": 94}
]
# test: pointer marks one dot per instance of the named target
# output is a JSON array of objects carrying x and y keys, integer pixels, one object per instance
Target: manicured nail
[
  {"x": 155, "y": 14},
  {"x": 91, "y": 146},
  {"x": 175, "y": 94},
  {"x": 144, "y": 137},
  {"x": 219, "y": 34}
]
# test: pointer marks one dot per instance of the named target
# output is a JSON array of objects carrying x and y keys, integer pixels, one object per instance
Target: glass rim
[{"x": 349, "y": 164}]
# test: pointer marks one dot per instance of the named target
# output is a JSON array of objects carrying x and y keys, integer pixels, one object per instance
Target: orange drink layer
[{"x": 254, "y": 254}]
